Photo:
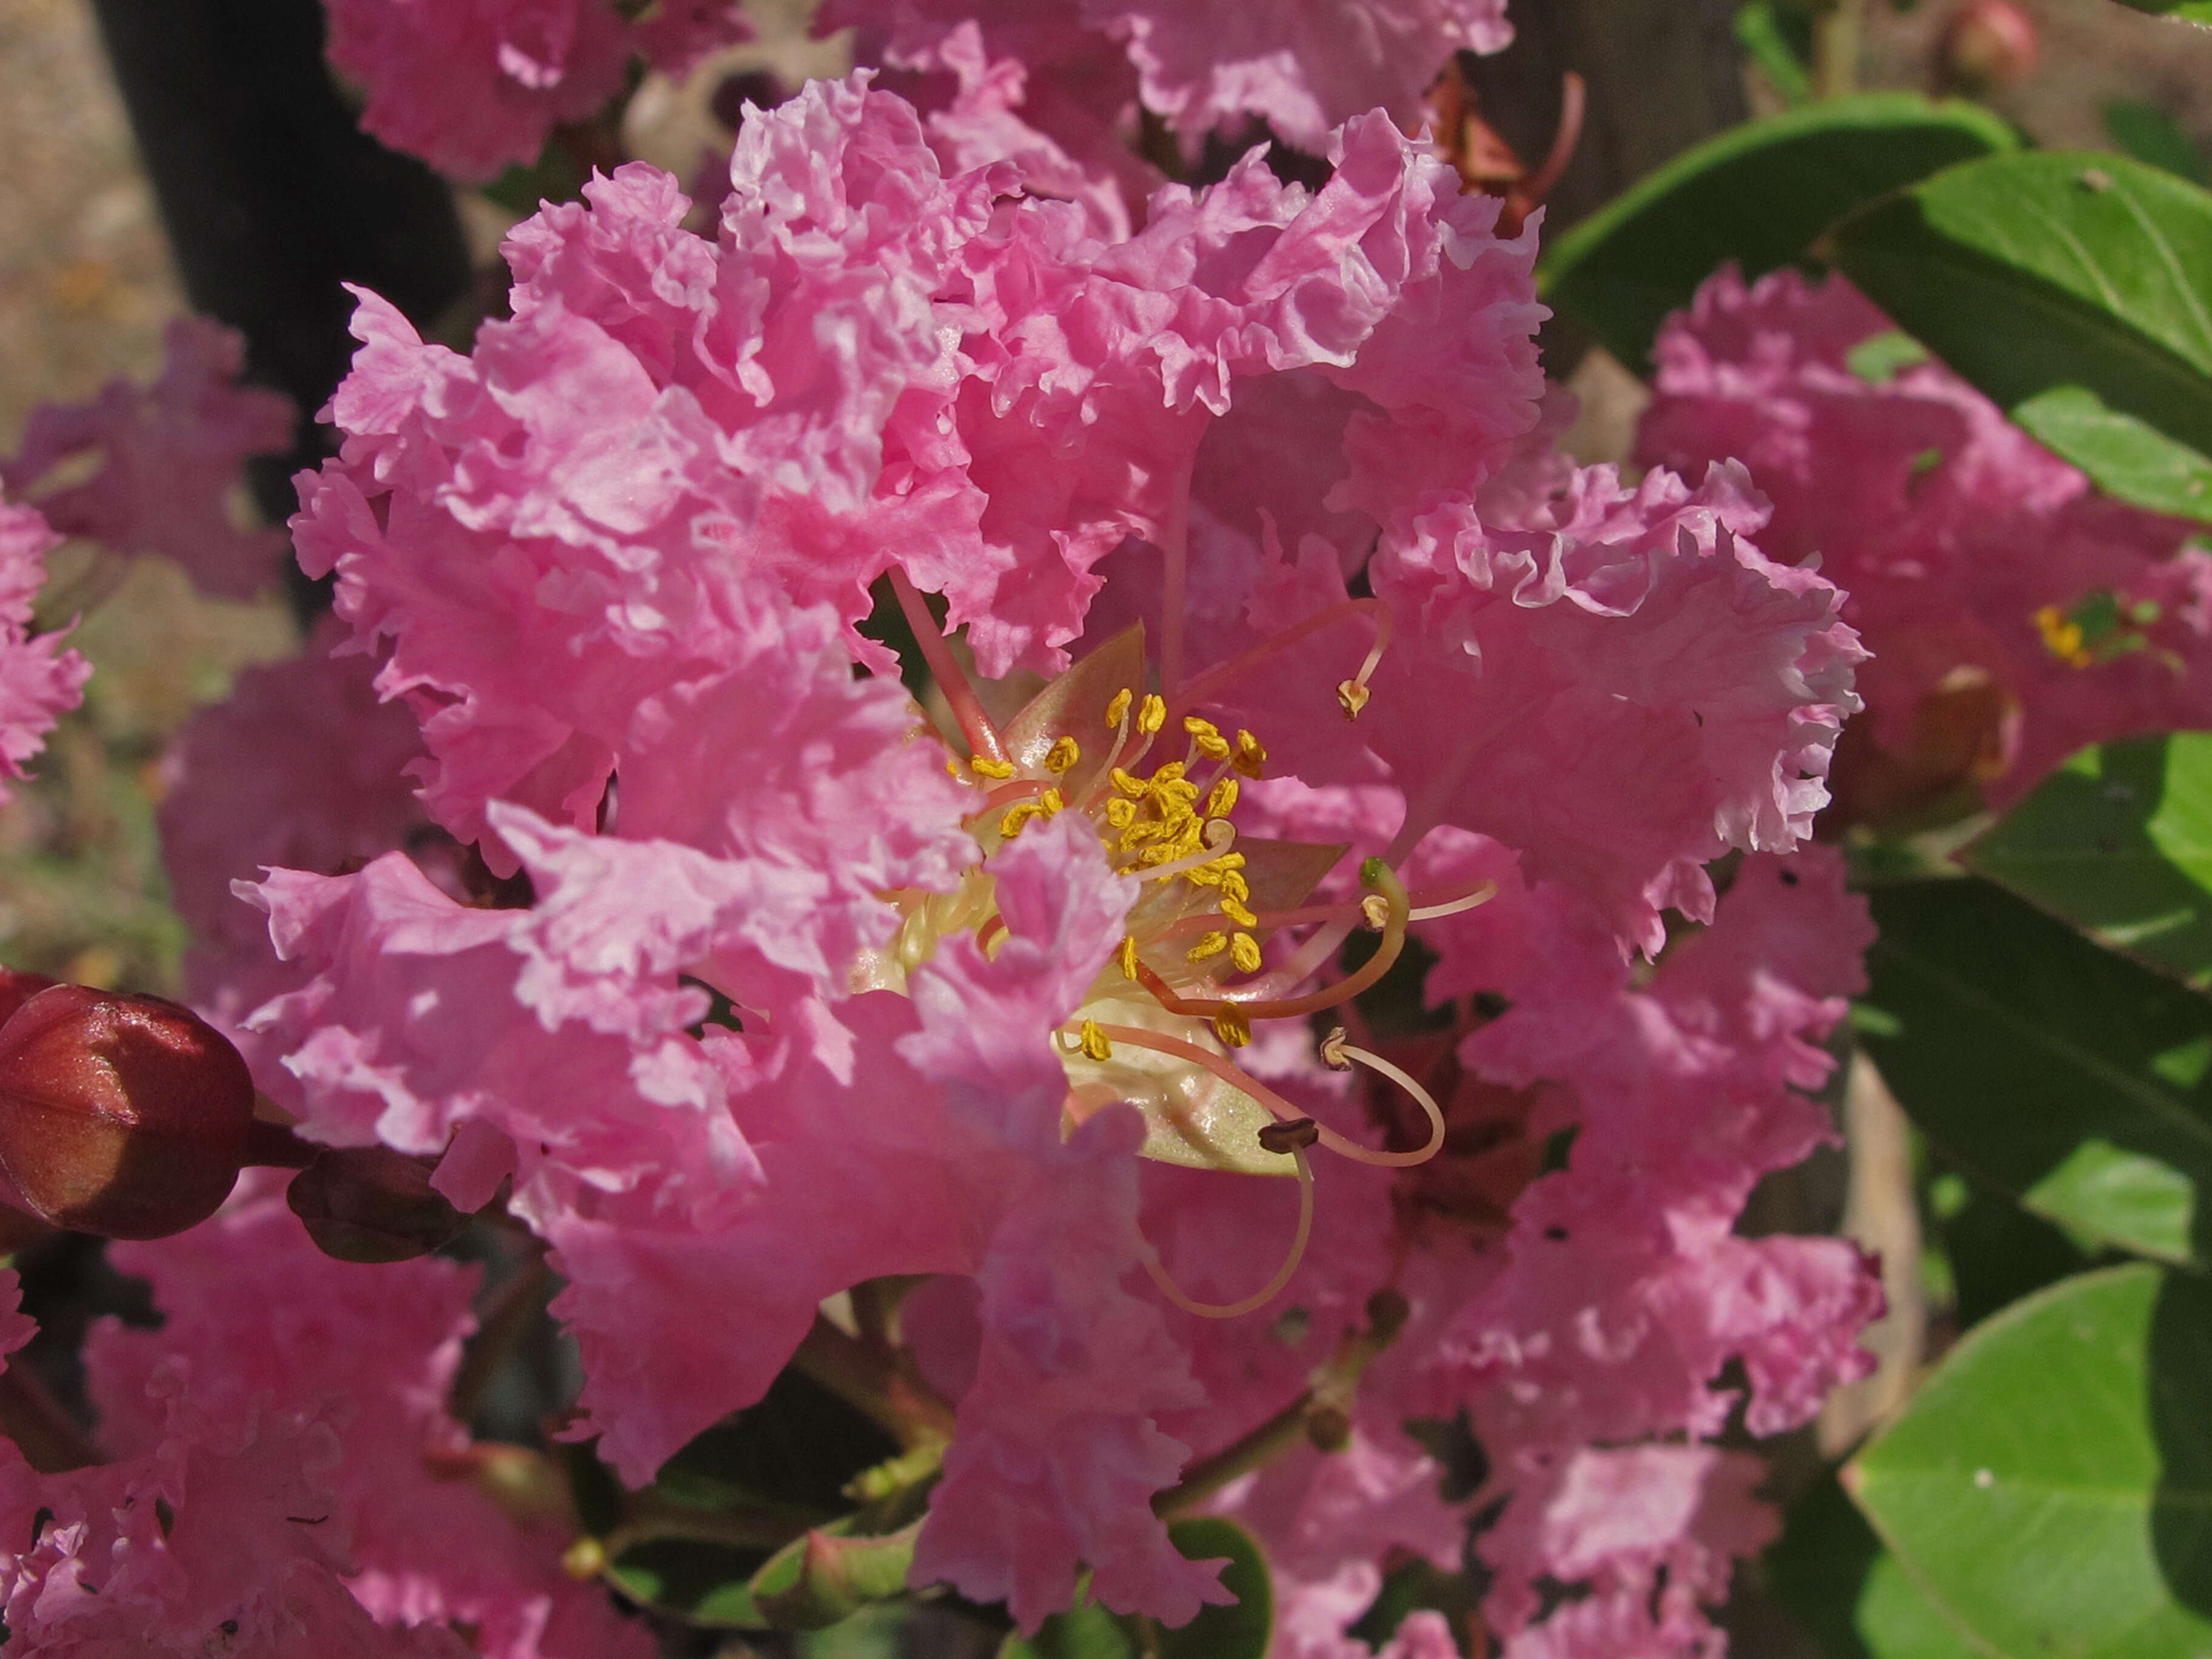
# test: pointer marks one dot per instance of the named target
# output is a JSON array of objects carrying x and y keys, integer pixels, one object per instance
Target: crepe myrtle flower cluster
[{"x": 615, "y": 880}]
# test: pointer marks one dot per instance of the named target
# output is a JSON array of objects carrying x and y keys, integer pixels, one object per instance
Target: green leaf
[
  {"x": 2118, "y": 841},
  {"x": 1761, "y": 30},
  {"x": 1831, "y": 1570},
  {"x": 1240, "y": 1631},
  {"x": 826, "y": 1575},
  {"x": 1757, "y": 194},
  {"x": 2050, "y": 1488},
  {"x": 2149, "y": 134},
  {"x": 2049, "y": 1067},
  {"x": 701, "y": 1583},
  {"x": 2070, "y": 288},
  {"x": 2185, "y": 11}
]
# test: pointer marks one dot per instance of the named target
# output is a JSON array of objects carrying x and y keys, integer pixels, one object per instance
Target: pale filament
[
  {"x": 1216, "y": 846},
  {"x": 1236, "y": 1077},
  {"x": 1430, "y": 904},
  {"x": 1328, "y": 996},
  {"x": 1207, "y": 685},
  {"x": 1337, "y": 1049},
  {"x": 1266, "y": 1293}
]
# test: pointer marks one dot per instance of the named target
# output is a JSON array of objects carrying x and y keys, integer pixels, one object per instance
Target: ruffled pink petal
[{"x": 38, "y": 681}]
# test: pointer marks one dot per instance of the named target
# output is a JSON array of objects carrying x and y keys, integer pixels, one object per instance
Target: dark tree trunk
[{"x": 271, "y": 196}]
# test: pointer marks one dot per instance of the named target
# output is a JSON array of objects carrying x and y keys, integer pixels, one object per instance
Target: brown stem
[
  {"x": 1321, "y": 1416},
  {"x": 49, "y": 1437},
  {"x": 876, "y": 1381}
]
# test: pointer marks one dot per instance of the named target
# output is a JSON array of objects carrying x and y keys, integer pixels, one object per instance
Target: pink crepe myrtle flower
[
  {"x": 473, "y": 86},
  {"x": 259, "y": 1320},
  {"x": 171, "y": 456},
  {"x": 1303, "y": 66},
  {"x": 2015, "y": 615},
  {"x": 38, "y": 681},
  {"x": 1262, "y": 502}
]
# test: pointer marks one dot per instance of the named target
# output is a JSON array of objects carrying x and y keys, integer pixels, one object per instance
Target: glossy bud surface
[
  {"x": 372, "y": 1204},
  {"x": 120, "y": 1114}
]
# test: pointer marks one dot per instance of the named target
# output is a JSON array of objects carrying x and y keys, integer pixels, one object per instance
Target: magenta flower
[{"x": 1282, "y": 623}]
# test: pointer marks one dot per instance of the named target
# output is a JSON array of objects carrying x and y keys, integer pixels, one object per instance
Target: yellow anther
[
  {"x": 1138, "y": 834},
  {"x": 1151, "y": 714},
  {"x": 2061, "y": 635},
  {"x": 1236, "y": 913},
  {"x": 1017, "y": 816},
  {"x": 1127, "y": 956},
  {"x": 1232, "y": 1028},
  {"x": 1095, "y": 1045},
  {"x": 952, "y": 766},
  {"x": 1351, "y": 696},
  {"x": 1118, "y": 710},
  {"x": 1176, "y": 797},
  {"x": 1207, "y": 736},
  {"x": 1234, "y": 885},
  {"x": 1230, "y": 861},
  {"x": 1244, "y": 951},
  {"x": 1212, "y": 944},
  {"x": 984, "y": 767},
  {"x": 1170, "y": 773},
  {"x": 1063, "y": 754},
  {"x": 1121, "y": 814},
  {"x": 1221, "y": 801},
  {"x": 1051, "y": 802},
  {"x": 1129, "y": 784},
  {"x": 1375, "y": 911},
  {"x": 1250, "y": 754},
  {"x": 1204, "y": 875}
]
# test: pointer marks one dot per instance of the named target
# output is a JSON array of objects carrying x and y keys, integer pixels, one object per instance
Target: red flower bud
[
  {"x": 1987, "y": 44},
  {"x": 120, "y": 1114},
  {"x": 372, "y": 1204}
]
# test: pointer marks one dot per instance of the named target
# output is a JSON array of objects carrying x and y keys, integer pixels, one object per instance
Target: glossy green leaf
[
  {"x": 1757, "y": 194},
  {"x": 1239, "y": 1631},
  {"x": 2071, "y": 288},
  {"x": 2054, "y": 1070},
  {"x": 2050, "y": 1488},
  {"x": 2118, "y": 841},
  {"x": 2185, "y": 11}
]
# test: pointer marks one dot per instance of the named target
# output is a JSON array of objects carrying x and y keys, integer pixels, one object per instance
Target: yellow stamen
[
  {"x": 1118, "y": 710},
  {"x": 1151, "y": 714},
  {"x": 984, "y": 767},
  {"x": 1244, "y": 953},
  {"x": 1232, "y": 1028},
  {"x": 1135, "y": 787},
  {"x": 952, "y": 766},
  {"x": 2061, "y": 635},
  {"x": 1351, "y": 696},
  {"x": 1063, "y": 755},
  {"x": 1017, "y": 816},
  {"x": 1170, "y": 773},
  {"x": 1250, "y": 754},
  {"x": 1051, "y": 802},
  {"x": 1212, "y": 945},
  {"x": 1121, "y": 814},
  {"x": 1207, "y": 737},
  {"x": 1234, "y": 885},
  {"x": 1221, "y": 801},
  {"x": 1127, "y": 956},
  {"x": 1237, "y": 914},
  {"x": 1095, "y": 1045}
]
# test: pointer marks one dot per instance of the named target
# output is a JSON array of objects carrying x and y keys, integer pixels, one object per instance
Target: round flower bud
[
  {"x": 372, "y": 1204},
  {"x": 1986, "y": 45},
  {"x": 120, "y": 1114}
]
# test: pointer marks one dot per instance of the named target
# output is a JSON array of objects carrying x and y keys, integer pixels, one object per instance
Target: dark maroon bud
[
  {"x": 1987, "y": 44},
  {"x": 372, "y": 1204},
  {"x": 120, "y": 1114},
  {"x": 17, "y": 988}
]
